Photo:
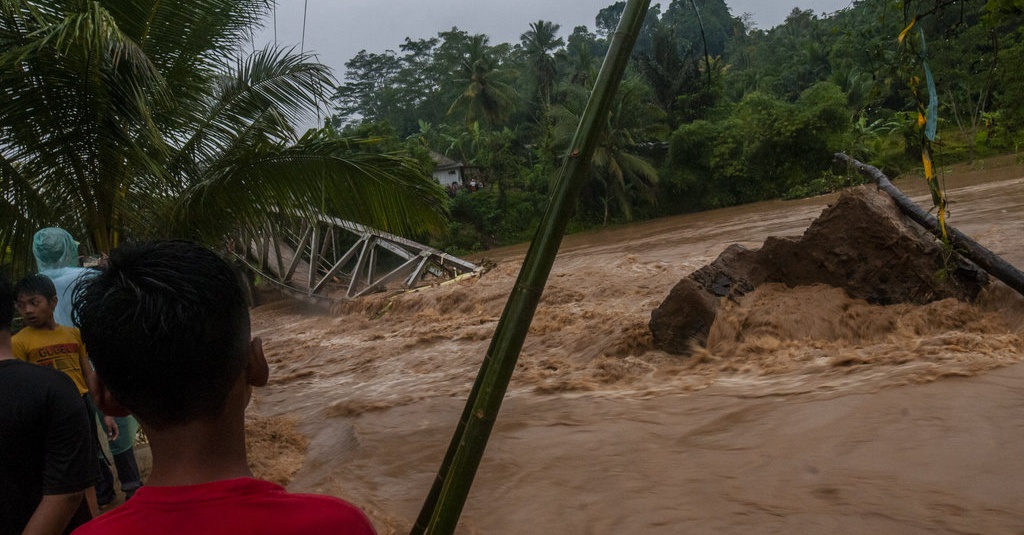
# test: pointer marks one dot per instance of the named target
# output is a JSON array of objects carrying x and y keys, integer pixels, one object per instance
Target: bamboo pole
[
  {"x": 444, "y": 503},
  {"x": 970, "y": 249}
]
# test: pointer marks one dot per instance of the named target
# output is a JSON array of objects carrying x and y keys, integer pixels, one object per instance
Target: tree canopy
[
  {"x": 128, "y": 119},
  {"x": 719, "y": 111}
]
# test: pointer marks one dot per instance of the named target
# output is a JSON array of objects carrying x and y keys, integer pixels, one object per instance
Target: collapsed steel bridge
[{"x": 331, "y": 258}]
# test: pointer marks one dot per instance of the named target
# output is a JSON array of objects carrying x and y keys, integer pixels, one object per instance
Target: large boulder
[
  {"x": 684, "y": 318},
  {"x": 862, "y": 244}
]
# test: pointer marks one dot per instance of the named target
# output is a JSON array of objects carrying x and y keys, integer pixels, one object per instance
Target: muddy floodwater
[{"x": 908, "y": 420}]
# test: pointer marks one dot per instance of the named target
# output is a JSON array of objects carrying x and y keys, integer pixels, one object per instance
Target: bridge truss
[{"x": 337, "y": 259}]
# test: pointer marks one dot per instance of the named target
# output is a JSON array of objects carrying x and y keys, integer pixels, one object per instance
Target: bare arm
[
  {"x": 110, "y": 426},
  {"x": 53, "y": 513}
]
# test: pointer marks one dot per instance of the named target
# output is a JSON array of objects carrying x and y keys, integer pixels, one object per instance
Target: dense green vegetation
[
  {"x": 128, "y": 119},
  {"x": 737, "y": 114}
]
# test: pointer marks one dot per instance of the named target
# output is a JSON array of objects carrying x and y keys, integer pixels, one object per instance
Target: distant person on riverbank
[
  {"x": 181, "y": 360},
  {"x": 56, "y": 253},
  {"x": 46, "y": 453}
]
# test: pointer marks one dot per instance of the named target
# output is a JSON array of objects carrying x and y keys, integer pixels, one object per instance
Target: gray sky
[{"x": 338, "y": 29}]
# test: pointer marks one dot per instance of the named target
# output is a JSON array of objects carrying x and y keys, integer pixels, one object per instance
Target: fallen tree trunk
[{"x": 970, "y": 249}]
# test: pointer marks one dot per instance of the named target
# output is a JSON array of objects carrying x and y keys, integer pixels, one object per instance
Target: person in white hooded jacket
[{"x": 56, "y": 253}]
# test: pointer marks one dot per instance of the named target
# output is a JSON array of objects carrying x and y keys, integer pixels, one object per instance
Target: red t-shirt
[{"x": 242, "y": 505}]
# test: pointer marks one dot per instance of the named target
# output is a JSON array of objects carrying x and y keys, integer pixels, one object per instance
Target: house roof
[{"x": 444, "y": 162}]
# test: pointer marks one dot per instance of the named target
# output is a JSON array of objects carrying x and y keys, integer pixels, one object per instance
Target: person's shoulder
[
  {"x": 248, "y": 505},
  {"x": 65, "y": 330},
  {"x": 40, "y": 380},
  {"x": 66, "y": 273},
  {"x": 31, "y": 373},
  {"x": 111, "y": 522},
  {"x": 320, "y": 511},
  {"x": 318, "y": 517},
  {"x": 316, "y": 513},
  {"x": 30, "y": 335},
  {"x": 68, "y": 333},
  {"x": 25, "y": 333},
  {"x": 19, "y": 368}
]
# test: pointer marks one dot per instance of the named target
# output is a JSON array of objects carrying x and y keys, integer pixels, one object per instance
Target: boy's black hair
[
  {"x": 6, "y": 302},
  {"x": 167, "y": 328},
  {"x": 35, "y": 285}
]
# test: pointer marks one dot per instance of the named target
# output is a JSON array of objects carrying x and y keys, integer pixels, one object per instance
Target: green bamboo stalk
[{"x": 444, "y": 503}]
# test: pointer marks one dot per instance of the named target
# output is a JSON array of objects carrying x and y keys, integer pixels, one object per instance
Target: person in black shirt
[{"x": 47, "y": 458}]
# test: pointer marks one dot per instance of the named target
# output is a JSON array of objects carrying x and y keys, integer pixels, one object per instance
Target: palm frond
[
  {"x": 75, "y": 112},
  {"x": 270, "y": 79},
  {"x": 23, "y": 208},
  {"x": 388, "y": 191},
  {"x": 143, "y": 118}
]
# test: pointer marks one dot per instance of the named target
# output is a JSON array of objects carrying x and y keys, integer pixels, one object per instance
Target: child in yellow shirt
[{"x": 44, "y": 342}]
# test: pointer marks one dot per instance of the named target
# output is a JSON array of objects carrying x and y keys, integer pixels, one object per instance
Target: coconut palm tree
[
  {"x": 540, "y": 45},
  {"x": 581, "y": 61},
  {"x": 140, "y": 118},
  {"x": 488, "y": 93},
  {"x": 620, "y": 178}
]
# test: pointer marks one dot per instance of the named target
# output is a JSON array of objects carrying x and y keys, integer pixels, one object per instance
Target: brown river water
[{"x": 810, "y": 412}]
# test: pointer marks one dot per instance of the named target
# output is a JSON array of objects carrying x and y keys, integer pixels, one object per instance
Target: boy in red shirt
[{"x": 167, "y": 327}]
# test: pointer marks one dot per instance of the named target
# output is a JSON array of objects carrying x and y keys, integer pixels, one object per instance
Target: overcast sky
[{"x": 338, "y": 29}]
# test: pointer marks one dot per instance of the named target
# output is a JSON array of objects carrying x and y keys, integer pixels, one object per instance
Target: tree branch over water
[{"x": 967, "y": 247}]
